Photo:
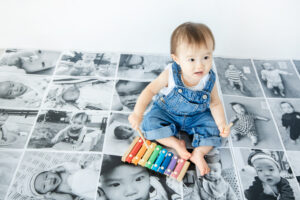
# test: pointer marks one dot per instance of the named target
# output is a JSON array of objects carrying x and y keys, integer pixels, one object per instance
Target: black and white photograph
[
  {"x": 140, "y": 66},
  {"x": 22, "y": 91},
  {"x": 15, "y": 127},
  {"x": 253, "y": 125},
  {"x": 73, "y": 131},
  {"x": 265, "y": 174},
  {"x": 220, "y": 183},
  {"x": 120, "y": 180},
  {"x": 25, "y": 61},
  {"x": 8, "y": 164},
  {"x": 126, "y": 94},
  {"x": 77, "y": 63},
  {"x": 79, "y": 94},
  {"x": 293, "y": 168},
  {"x": 45, "y": 175},
  {"x": 278, "y": 78},
  {"x": 297, "y": 64},
  {"x": 119, "y": 134},
  {"x": 287, "y": 116},
  {"x": 237, "y": 77}
]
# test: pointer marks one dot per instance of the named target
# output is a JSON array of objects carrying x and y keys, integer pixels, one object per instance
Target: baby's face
[
  {"x": 232, "y": 67},
  {"x": 267, "y": 171},
  {"x": 268, "y": 66},
  {"x": 127, "y": 183},
  {"x": 11, "y": 89},
  {"x": 195, "y": 61},
  {"x": 124, "y": 132},
  {"x": 215, "y": 172},
  {"x": 71, "y": 94},
  {"x": 77, "y": 123},
  {"x": 129, "y": 92},
  {"x": 47, "y": 182},
  {"x": 286, "y": 108},
  {"x": 239, "y": 109},
  {"x": 89, "y": 57}
]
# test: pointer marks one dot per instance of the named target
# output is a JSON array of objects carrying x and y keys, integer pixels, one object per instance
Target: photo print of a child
[
  {"x": 264, "y": 174},
  {"x": 287, "y": 116},
  {"x": 119, "y": 134},
  {"x": 79, "y": 93},
  {"x": 75, "y": 131},
  {"x": 278, "y": 78},
  {"x": 126, "y": 94},
  {"x": 39, "y": 62},
  {"x": 59, "y": 176},
  {"x": 22, "y": 91},
  {"x": 137, "y": 66},
  {"x": 252, "y": 123},
  {"x": 15, "y": 127},
  {"x": 119, "y": 180},
  {"x": 77, "y": 63},
  {"x": 220, "y": 183},
  {"x": 237, "y": 77}
]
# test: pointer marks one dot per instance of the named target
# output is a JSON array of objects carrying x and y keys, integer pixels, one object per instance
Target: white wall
[{"x": 252, "y": 28}]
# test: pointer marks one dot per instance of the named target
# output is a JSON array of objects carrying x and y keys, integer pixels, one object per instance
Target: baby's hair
[
  {"x": 259, "y": 154},
  {"x": 121, "y": 82},
  {"x": 192, "y": 33},
  {"x": 70, "y": 89},
  {"x": 283, "y": 102},
  {"x": 215, "y": 158},
  {"x": 119, "y": 133},
  {"x": 82, "y": 115}
]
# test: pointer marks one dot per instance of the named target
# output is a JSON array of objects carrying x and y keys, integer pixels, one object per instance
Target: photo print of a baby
[
  {"x": 79, "y": 93},
  {"x": 119, "y": 134},
  {"x": 237, "y": 77},
  {"x": 45, "y": 175},
  {"x": 22, "y": 91},
  {"x": 287, "y": 116},
  {"x": 119, "y": 180},
  {"x": 8, "y": 164},
  {"x": 141, "y": 67},
  {"x": 278, "y": 78},
  {"x": 265, "y": 174},
  {"x": 15, "y": 127},
  {"x": 126, "y": 94},
  {"x": 77, "y": 63},
  {"x": 220, "y": 183},
  {"x": 73, "y": 131},
  {"x": 26, "y": 61},
  {"x": 252, "y": 123}
]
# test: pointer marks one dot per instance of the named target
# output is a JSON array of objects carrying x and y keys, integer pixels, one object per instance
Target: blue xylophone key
[
  {"x": 166, "y": 162},
  {"x": 159, "y": 159}
]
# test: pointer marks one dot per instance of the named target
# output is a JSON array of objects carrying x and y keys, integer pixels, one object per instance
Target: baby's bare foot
[
  {"x": 198, "y": 159},
  {"x": 181, "y": 150}
]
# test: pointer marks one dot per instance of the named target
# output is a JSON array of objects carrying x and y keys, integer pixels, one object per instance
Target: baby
[
  {"x": 68, "y": 181},
  {"x": 123, "y": 132},
  {"x": 273, "y": 78},
  {"x": 188, "y": 99},
  {"x": 128, "y": 182},
  {"x": 244, "y": 123},
  {"x": 84, "y": 67},
  {"x": 235, "y": 77},
  {"x": 290, "y": 120},
  {"x": 268, "y": 183},
  {"x": 128, "y": 92},
  {"x": 3, "y": 131},
  {"x": 75, "y": 132},
  {"x": 12, "y": 89}
]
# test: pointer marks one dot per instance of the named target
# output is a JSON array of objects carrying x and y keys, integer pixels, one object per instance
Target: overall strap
[
  {"x": 177, "y": 74},
  {"x": 211, "y": 81}
]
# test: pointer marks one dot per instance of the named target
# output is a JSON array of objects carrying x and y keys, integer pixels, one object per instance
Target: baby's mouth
[{"x": 200, "y": 73}]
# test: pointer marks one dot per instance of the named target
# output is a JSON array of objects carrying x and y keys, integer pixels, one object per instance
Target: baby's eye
[
  {"x": 271, "y": 170},
  {"x": 206, "y": 57},
  {"x": 114, "y": 185},
  {"x": 259, "y": 170},
  {"x": 191, "y": 60},
  {"x": 140, "y": 178}
]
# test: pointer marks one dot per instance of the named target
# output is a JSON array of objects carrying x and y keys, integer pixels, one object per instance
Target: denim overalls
[{"x": 183, "y": 109}]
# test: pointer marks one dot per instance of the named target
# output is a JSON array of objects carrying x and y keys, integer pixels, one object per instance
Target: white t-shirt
[{"x": 171, "y": 82}]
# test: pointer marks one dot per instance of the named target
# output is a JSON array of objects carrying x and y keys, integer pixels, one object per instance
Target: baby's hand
[
  {"x": 225, "y": 130},
  {"x": 135, "y": 120}
]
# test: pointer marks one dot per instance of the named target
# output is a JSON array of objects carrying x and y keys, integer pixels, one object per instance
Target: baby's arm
[
  {"x": 261, "y": 118},
  {"x": 217, "y": 112},
  {"x": 284, "y": 72},
  {"x": 145, "y": 98},
  {"x": 59, "y": 134},
  {"x": 58, "y": 196}
]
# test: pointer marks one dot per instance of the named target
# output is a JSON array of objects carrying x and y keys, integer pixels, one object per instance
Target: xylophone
[{"x": 155, "y": 157}]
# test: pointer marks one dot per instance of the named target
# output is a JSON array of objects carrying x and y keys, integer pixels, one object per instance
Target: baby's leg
[
  {"x": 198, "y": 158},
  {"x": 178, "y": 145}
]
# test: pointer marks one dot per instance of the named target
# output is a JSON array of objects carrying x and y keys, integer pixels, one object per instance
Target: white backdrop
[{"x": 249, "y": 29}]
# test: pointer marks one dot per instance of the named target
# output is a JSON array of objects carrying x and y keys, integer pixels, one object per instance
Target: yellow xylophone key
[
  {"x": 148, "y": 153},
  {"x": 136, "y": 139},
  {"x": 183, "y": 171}
]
